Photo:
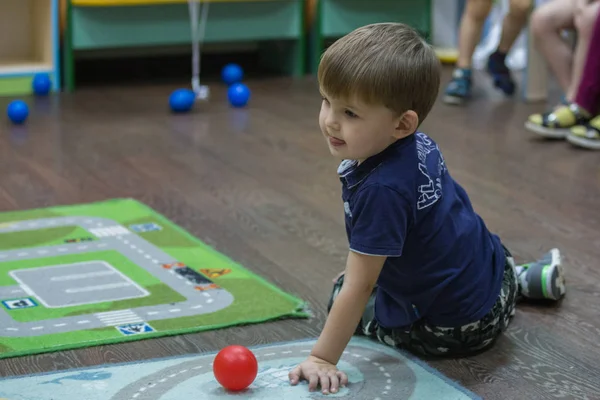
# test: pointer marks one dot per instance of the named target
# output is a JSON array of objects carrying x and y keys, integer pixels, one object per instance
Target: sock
[
  {"x": 499, "y": 56},
  {"x": 497, "y": 62}
]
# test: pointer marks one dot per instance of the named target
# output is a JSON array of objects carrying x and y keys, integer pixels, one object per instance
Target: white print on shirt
[
  {"x": 430, "y": 192},
  {"x": 347, "y": 209}
]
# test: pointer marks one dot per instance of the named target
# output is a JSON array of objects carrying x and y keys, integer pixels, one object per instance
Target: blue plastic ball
[
  {"x": 17, "y": 111},
  {"x": 232, "y": 73},
  {"x": 238, "y": 94},
  {"x": 182, "y": 100},
  {"x": 41, "y": 84}
]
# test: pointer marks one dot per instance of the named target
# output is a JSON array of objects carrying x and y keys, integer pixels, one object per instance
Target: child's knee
[
  {"x": 541, "y": 22},
  {"x": 552, "y": 17},
  {"x": 479, "y": 9},
  {"x": 520, "y": 8},
  {"x": 585, "y": 19}
]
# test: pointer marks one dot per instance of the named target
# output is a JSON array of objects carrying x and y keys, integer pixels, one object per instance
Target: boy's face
[{"x": 355, "y": 130}]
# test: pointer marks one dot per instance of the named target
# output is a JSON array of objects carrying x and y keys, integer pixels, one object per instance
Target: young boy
[{"x": 423, "y": 271}]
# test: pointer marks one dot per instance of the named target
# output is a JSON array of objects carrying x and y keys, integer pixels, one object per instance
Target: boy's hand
[{"x": 317, "y": 371}]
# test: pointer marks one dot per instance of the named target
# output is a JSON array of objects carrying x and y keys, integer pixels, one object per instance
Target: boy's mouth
[{"x": 336, "y": 142}]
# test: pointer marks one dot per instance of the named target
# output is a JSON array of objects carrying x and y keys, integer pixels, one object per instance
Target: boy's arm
[
  {"x": 381, "y": 217},
  {"x": 360, "y": 277},
  {"x": 320, "y": 368}
]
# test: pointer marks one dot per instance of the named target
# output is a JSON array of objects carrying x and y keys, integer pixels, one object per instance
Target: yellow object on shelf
[
  {"x": 106, "y": 3},
  {"x": 447, "y": 56}
]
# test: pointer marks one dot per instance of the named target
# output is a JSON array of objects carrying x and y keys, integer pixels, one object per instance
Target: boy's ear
[{"x": 406, "y": 124}]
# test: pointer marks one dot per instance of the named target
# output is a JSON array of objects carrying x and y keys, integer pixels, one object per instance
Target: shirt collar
[{"x": 352, "y": 174}]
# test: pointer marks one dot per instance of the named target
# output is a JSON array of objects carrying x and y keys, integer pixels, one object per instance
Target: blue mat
[{"x": 375, "y": 371}]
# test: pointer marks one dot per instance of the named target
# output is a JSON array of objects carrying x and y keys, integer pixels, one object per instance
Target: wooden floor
[{"x": 259, "y": 185}]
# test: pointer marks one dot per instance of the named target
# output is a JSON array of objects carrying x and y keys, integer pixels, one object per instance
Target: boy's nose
[{"x": 332, "y": 123}]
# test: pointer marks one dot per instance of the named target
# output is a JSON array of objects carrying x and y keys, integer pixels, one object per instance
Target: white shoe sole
[
  {"x": 583, "y": 142},
  {"x": 455, "y": 101},
  {"x": 546, "y": 132},
  {"x": 548, "y": 271}
]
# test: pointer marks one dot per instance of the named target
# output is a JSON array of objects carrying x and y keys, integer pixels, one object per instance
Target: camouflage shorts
[{"x": 429, "y": 340}]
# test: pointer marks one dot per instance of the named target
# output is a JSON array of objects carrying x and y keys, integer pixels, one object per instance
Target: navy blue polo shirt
[{"x": 442, "y": 263}]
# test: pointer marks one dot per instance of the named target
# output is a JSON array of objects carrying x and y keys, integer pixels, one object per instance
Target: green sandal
[
  {"x": 586, "y": 136},
  {"x": 558, "y": 123}
]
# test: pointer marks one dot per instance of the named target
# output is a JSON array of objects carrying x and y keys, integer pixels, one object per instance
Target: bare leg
[
  {"x": 560, "y": 122},
  {"x": 588, "y": 96},
  {"x": 471, "y": 26},
  {"x": 585, "y": 18},
  {"x": 469, "y": 35},
  {"x": 547, "y": 21},
  {"x": 513, "y": 23}
]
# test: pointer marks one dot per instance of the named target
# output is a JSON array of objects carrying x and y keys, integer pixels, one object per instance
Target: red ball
[{"x": 235, "y": 367}]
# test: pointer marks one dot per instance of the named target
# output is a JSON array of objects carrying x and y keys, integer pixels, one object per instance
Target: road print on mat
[
  {"x": 78, "y": 275},
  {"x": 375, "y": 372}
]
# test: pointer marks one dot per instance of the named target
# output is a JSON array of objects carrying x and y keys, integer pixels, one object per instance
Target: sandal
[
  {"x": 557, "y": 124},
  {"x": 586, "y": 136}
]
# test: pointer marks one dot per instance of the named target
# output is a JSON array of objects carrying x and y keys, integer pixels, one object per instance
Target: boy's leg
[
  {"x": 542, "y": 279},
  {"x": 470, "y": 339},
  {"x": 471, "y": 26},
  {"x": 512, "y": 25},
  {"x": 428, "y": 340}
]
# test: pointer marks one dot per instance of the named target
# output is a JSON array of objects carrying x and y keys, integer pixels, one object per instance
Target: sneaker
[
  {"x": 557, "y": 124},
  {"x": 459, "y": 88},
  {"x": 496, "y": 67},
  {"x": 543, "y": 279},
  {"x": 586, "y": 136}
]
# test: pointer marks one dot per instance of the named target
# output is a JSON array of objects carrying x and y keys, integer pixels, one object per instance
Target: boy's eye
[{"x": 350, "y": 114}]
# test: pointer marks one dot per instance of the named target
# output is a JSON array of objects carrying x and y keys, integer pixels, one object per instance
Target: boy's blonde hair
[{"x": 385, "y": 64}]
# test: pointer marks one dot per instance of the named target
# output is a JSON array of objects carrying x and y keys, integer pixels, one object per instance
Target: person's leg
[
  {"x": 588, "y": 95},
  {"x": 558, "y": 122},
  {"x": 585, "y": 17},
  {"x": 585, "y": 88},
  {"x": 513, "y": 23},
  {"x": 542, "y": 279},
  {"x": 471, "y": 26},
  {"x": 547, "y": 22},
  {"x": 430, "y": 340}
]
